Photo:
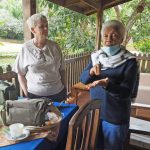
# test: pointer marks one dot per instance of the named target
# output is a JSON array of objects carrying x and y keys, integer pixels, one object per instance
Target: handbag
[{"x": 28, "y": 112}]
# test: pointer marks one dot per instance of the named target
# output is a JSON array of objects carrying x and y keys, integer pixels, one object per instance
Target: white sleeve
[{"x": 20, "y": 65}]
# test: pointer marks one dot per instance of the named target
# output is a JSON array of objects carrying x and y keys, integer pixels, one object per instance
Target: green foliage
[
  {"x": 143, "y": 45},
  {"x": 11, "y": 22},
  {"x": 12, "y": 29},
  {"x": 141, "y": 26},
  {"x": 4, "y": 61},
  {"x": 14, "y": 7},
  {"x": 73, "y": 31},
  {"x": 1, "y": 44},
  {"x": 76, "y": 32}
]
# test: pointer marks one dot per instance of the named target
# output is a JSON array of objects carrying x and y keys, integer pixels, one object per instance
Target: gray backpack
[{"x": 30, "y": 112}]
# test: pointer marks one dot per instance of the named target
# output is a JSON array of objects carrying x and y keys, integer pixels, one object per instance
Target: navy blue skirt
[{"x": 61, "y": 96}]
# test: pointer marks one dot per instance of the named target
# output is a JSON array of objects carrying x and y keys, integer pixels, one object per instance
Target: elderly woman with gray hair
[
  {"x": 111, "y": 76},
  {"x": 40, "y": 65}
]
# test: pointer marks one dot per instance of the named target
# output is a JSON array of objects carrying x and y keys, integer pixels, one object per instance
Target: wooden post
[
  {"x": 29, "y": 8},
  {"x": 98, "y": 28}
]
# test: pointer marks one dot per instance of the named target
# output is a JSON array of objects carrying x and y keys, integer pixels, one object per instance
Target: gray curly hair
[
  {"x": 32, "y": 21},
  {"x": 120, "y": 28}
]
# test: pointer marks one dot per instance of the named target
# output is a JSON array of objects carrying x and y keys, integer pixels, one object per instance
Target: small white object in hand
[{"x": 53, "y": 117}]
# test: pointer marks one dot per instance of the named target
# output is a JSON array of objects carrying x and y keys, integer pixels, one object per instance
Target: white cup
[{"x": 16, "y": 130}]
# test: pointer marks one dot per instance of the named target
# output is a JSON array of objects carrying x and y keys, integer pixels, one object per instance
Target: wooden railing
[
  {"x": 76, "y": 63},
  {"x": 74, "y": 67},
  {"x": 144, "y": 63}
]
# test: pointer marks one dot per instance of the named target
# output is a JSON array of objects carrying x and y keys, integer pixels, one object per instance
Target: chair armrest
[{"x": 80, "y": 86}]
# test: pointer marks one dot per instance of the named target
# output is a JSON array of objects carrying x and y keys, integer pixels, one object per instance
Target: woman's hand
[
  {"x": 102, "y": 82},
  {"x": 95, "y": 70}
]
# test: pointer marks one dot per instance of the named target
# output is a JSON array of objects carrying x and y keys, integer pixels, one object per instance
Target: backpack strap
[
  {"x": 2, "y": 97},
  {"x": 3, "y": 115},
  {"x": 7, "y": 91}
]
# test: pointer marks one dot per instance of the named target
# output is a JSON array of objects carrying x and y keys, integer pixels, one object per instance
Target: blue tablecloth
[{"x": 43, "y": 144}]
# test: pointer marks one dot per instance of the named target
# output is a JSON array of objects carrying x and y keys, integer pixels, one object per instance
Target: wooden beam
[
  {"x": 95, "y": 4},
  {"x": 98, "y": 28},
  {"x": 114, "y": 3},
  {"x": 29, "y": 8},
  {"x": 69, "y": 3},
  {"x": 91, "y": 4},
  {"x": 89, "y": 12},
  {"x": 76, "y": 9},
  {"x": 58, "y": 2}
]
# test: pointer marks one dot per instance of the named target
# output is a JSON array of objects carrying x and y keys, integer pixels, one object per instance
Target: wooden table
[{"x": 68, "y": 111}]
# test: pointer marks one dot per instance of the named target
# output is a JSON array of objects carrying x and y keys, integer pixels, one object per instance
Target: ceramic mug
[{"x": 16, "y": 130}]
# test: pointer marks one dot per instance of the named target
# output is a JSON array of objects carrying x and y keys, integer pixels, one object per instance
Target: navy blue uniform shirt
[{"x": 116, "y": 97}]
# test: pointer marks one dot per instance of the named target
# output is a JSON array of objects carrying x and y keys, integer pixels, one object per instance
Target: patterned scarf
[{"x": 100, "y": 57}]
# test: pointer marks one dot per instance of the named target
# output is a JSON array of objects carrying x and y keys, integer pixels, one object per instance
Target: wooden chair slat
[
  {"x": 78, "y": 138},
  {"x": 85, "y": 123},
  {"x": 79, "y": 121},
  {"x": 11, "y": 77}
]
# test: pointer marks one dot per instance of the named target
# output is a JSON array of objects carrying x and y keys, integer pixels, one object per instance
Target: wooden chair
[
  {"x": 84, "y": 126},
  {"x": 11, "y": 77},
  {"x": 140, "y": 120},
  {"x": 8, "y": 76}
]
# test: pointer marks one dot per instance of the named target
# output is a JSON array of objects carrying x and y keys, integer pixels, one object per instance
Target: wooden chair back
[
  {"x": 11, "y": 77},
  {"x": 84, "y": 126}
]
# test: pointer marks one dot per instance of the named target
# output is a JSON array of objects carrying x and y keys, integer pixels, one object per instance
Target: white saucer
[{"x": 25, "y": 134}]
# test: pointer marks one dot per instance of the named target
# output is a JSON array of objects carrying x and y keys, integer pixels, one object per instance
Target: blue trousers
[{"x": 112, "y": 136}]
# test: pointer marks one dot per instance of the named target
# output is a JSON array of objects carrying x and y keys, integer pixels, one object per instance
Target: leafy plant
[
  {"x": 74, "y": 32},
  {"x": 11, "y": 22},
  {"x": 143, "y": 45},
  {"x": 14, "y": 7}
]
